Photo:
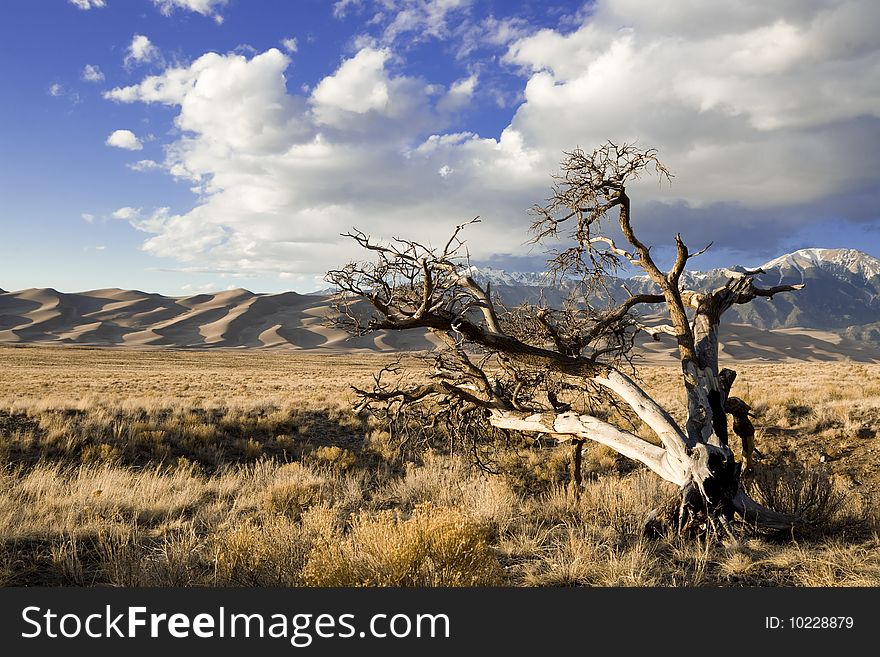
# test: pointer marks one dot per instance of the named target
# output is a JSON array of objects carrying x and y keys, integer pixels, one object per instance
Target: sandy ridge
[{"x": 242, "y": 319}]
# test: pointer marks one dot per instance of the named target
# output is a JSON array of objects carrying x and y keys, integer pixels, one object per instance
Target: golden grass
[
  {"x": 431, "y": 546},
  {"x": 228, "y": 468}
]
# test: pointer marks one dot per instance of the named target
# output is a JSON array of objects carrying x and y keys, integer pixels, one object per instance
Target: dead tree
[{"x": 512, "y": 368}]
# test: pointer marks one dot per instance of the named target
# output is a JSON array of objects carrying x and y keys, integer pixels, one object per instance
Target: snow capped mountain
[
  {"x": 502, "y": 277},
  {"x": 842, "y": 289},
  {"x": 851, "y": 260},
  {"x": 842, "y": 262}
]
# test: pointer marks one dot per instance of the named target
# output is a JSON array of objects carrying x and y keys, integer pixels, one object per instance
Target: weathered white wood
[
  {"x": 699, "y": 422},
  {"x": 591, "y": 428},
  {"x": 649, "y": 411},
  {"x": 656, "y": 331}
]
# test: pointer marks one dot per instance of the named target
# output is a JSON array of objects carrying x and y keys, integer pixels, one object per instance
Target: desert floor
[{"x": 243, "y": 467}]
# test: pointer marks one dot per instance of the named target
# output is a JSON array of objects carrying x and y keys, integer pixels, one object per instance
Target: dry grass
[
  {"x": 432, "y": 546},
  {"x": 146, "y": 468}
]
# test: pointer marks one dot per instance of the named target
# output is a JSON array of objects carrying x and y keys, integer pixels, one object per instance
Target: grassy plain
[{"x": 217, "y": 468}]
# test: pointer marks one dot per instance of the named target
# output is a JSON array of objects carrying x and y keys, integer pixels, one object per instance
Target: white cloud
[
  {"x": 92, "y": 73},
  {"x": 258, "y": 116},
  {"x": 204, "y": 287},
  {"x": 364, "y": 96},
  {"x": 280, "y": 176},
  {"x": 340, "y": 7},
  {"x": 125, "y": 139},
  {"x": 58, "y": 90},
  {"x": 144, "y": 165},
  {"x": 100, "y": 248},
  {"x": 203, "y": 7},
  {"x": 141, "y": 51},
  {"x": 459, "y": 94},
  {"x": 360, "y": 85},
  {"x": 88, "y": 217},
  {"x": 742, "y": 110},
  {"x": 290, "y": 44},
  {"x": 417, "y": 20},
  {"x": 88, "y": 4},
  {"x": 504, "y": 30},
  {"x": 403, "y": 24},
  {"x": 126, "y": 213}
]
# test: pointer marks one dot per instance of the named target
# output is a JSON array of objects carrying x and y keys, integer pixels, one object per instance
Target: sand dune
[
  {"x": 242, "y": 319},
  {"x": 744, "y": 342}
]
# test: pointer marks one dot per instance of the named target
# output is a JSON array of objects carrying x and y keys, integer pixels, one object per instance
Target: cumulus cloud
[
  {"x": 290, "y": 44},
  {"x": 764, "y": 112},
  {"x": 88, "y": 217},
  {"x": 92, "y": 73},
  {"x": 203, "y": 7},
  {"x": 280, "y": 176},
  {"x": 364, "y": 95},
  {"x": 88, "y": 4},
  {"x": 459, "y": 95},
  {"x": 745, "y": 105},
  {"x": 258, "y": 118},
  {"x": 141, "y": 51},
  {"x": 360, "y": 85},
  {"x": 124, "y": 139}
]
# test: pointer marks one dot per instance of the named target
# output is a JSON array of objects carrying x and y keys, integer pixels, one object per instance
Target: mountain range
[
  {"x": 842, "y": 290},
  {"x": 837, "y": 314}
]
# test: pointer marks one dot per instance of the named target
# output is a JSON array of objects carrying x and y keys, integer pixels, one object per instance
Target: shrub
[
  {"x": 435, "y": 546},
  {"x": 294, "y": 489},
  {"x": 809, "y": 494},
  {"x": 337, "y": 458},
  {"x": 273, "y": 552},
  {"x": 102, "y": 453}
]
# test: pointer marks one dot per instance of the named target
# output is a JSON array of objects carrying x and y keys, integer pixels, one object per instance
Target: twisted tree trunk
[
  {"x": 415, "y": 286},
  {"x": 697, "y": 459}
]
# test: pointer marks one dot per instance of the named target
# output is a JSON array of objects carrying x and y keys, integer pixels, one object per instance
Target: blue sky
[{"x": 179, "y": 146}]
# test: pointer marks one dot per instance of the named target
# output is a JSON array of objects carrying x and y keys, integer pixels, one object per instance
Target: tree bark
[
  {"x": 574, "y": 466},
  {"x": 570, "y": 424}
]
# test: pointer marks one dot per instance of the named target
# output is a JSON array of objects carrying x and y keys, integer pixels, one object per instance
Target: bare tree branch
[{"x": 525, "y": 369}]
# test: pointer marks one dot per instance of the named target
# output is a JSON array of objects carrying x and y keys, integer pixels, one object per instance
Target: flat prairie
[{"x": 234, "y": 467}]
